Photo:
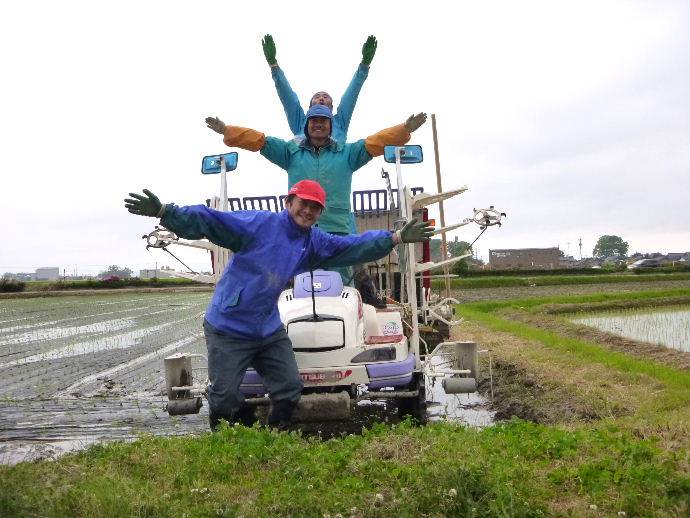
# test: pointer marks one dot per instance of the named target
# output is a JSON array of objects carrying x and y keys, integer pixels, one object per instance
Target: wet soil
[
  {"x": 81, "y": 370},
  {"x": 57, "y": 397}
]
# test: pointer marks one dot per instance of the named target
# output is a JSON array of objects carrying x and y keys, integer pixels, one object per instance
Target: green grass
[
  {"x": 513, "y": 469},
  {"x": 559, "y": 280},
  {"x": 488, "y": 314},
  {"x": 572, "y": 352}
]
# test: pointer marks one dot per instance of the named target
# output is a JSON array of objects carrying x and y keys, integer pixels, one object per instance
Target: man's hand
[
  {"x": 368, "y": 50},
  {"x": 415, "y": 121},
  {"x": 215, "y": 124},
  {"x": 415, "y": 231},
  {"x": 269, "y": 49},
  {"x": 148, "y": 205}
]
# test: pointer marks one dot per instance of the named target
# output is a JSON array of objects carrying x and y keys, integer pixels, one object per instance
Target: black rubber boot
[
  {"x": 367, "y": 290},
  {"x": 214, "y": 420},
  {"x": 246, "y": 416},
  {"x": 281, "y": 414}
]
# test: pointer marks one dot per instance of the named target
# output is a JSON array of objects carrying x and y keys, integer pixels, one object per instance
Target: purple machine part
[
  {"x": 388, "y": 374},
  {"x": 391, "y": 374},
  {"x": 326, "y": 284}
]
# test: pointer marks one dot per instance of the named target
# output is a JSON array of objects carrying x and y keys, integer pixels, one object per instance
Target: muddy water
[{"x": 82, "y": 370}]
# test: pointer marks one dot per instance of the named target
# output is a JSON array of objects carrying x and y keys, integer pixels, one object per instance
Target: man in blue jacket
[
  {"x": 242, "y": 324},
  {"x": 293, "y": 110}
]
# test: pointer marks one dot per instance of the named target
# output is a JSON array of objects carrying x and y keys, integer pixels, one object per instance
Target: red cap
[{"x": 309, "y": 190}]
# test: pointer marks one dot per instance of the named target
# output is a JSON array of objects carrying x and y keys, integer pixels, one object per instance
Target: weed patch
[{"x": 517, "y": 468}]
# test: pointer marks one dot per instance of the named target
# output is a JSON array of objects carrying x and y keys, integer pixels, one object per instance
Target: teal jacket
[
  {"x": 332, "y": 165},
  {"x": 295, "y": 114}
]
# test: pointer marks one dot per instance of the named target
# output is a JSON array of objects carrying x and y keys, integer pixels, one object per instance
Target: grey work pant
[{"x": 230, "y": 356}]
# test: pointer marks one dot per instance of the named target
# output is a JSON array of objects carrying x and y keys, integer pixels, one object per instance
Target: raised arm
[
  {"x": 341, "y": 120},
  {"x": 288, "y": 98}
]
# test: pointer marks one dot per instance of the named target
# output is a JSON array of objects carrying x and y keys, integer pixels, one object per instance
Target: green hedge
[
  {"x": 96, "y": 284},
  {"x": 11, "y": 285},
  {"x": 661, "y": 269},
  {"x": 531, "y": 273}
]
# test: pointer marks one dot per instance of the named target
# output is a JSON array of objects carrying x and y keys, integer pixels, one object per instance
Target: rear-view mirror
[
  {"x": 211, "y": 164},
  {"x": 408, "y": 154}
]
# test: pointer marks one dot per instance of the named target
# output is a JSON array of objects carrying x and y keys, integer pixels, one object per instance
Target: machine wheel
[{"x": 415, "y": 407}]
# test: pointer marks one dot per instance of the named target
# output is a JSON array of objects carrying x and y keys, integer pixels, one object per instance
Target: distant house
[
  {"x": 568, "y": 262},
  {"x": 163, "y": 273},
  {"x": 676, "y": 257},
  {"x": 47, "y": 274},
  {"x": 525, "y": 258}
]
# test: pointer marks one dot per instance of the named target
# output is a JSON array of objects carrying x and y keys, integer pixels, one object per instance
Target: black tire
[{"x": 415, "y": 407}]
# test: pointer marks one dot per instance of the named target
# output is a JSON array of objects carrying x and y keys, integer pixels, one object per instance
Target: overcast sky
[{"x": 571, "y": 116}]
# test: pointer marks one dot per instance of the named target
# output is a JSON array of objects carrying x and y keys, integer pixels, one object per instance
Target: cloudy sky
[{"x": 571, "y": 116}]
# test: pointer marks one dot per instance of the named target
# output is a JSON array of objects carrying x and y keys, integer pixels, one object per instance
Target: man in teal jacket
[
  {"x": 242, "y": 325},
  {"x": 319, "y": 157},
  {"x": 293, "y": 110}
]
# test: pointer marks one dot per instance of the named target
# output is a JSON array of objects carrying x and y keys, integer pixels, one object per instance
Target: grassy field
[{"x": 602, "y": 428}]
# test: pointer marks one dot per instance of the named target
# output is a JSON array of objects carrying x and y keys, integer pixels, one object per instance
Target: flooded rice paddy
[
  {"x": 78, "y": 370},
  {"x": 669, "y": 327}
]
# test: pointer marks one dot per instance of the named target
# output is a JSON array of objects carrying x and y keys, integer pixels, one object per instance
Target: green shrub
[
  {"x": 662, "y": 269},
  {"x": 116, "y": 282},
  {"x": 11, "y": 285}
]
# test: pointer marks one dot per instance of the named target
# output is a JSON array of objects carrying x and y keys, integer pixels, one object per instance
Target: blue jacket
[
  {"x": 295, "y": 114},
  {"x": 269, "y": 249}
]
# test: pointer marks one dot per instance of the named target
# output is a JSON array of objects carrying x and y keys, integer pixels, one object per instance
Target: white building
[
  {"x": 47, "y": 274},
  {"x": 163, "y": 273}
]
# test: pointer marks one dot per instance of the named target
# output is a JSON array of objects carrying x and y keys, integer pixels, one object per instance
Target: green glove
[
  {"x": 368, "y": 50},
  {"x": 148, "y": 205},
  {"x": 269, "y": 49},
  {"x": 415, "y": 231}
]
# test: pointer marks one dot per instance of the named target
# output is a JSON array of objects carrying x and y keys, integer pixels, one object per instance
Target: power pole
[{"x": 579, "y": 242}]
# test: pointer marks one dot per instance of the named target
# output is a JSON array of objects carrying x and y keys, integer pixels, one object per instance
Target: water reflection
[{"x": 668, "y": 327}]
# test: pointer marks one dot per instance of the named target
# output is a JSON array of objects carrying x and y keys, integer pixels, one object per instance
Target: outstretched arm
[
  {"x": 194, "y": 222},
  {"x": 274, "y": 149},
  {"x": 237, "y": 136},
  {"x": 360, "y": 248},
  {"x": 288, "y": 98},
  {"x": 396, "y": 136},
  {"x": 362, "y": 151},
  {"x": 349, "y": 99}
]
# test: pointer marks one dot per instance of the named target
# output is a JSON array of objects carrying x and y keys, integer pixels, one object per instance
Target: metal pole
[{"x": 444, "y": 247}]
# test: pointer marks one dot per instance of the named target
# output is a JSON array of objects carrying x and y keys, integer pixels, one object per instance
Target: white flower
[
  {"x": 379, "y": 497},
  {"x": 452, "y": 492},
  {"x": 593, "y": 507}
]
